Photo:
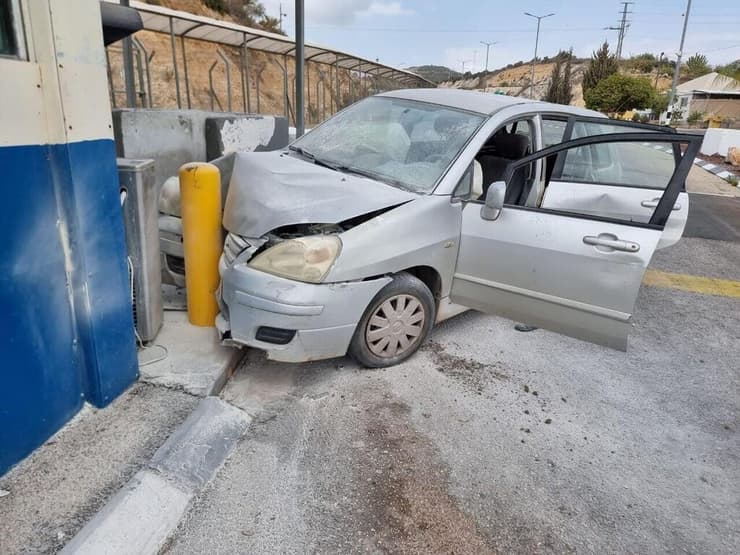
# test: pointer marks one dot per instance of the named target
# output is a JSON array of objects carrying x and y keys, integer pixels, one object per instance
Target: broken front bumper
[{"x": 323, "y": 316}]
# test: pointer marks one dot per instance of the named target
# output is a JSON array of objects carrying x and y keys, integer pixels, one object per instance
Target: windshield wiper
[
  {"x": 375, "y": 176},
  {"x": 312, "y": 157}
]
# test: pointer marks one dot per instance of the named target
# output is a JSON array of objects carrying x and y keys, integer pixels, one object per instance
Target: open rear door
[{"x": 574, "y": 266}]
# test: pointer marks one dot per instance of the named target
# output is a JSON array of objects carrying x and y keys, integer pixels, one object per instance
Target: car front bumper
[{"x": 324, "y": 316}]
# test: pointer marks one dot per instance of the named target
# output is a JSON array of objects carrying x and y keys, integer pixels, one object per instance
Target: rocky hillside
[{"x": 514, "y": 80}]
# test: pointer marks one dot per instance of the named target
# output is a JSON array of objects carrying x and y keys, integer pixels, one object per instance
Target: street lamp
[
  {"x": 488, "y": 46},
  {"x": 463, "y": 62},
  {"x": 536, "y": 41}
]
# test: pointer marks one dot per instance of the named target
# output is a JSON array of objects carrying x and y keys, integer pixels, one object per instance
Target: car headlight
[{"x": 304, "y": 259}]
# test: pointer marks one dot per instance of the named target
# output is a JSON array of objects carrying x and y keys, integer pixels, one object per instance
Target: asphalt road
[{"x": 492, "y": 440}]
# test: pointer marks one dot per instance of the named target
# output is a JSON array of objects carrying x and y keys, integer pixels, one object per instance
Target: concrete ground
[
  {"x": 54, "y": 492},
  {"x": 492, "y": 440}
]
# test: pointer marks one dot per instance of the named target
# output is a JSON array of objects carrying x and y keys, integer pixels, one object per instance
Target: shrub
[{"x": 695, "y": 117}]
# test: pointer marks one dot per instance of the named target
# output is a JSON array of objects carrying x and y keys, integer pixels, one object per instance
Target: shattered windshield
[{"x": 404, "y": 143}]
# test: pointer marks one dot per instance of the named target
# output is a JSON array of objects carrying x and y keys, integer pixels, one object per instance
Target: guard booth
[{"x": 66, "y": 333}]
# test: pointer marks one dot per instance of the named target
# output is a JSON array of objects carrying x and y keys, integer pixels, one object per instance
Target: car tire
[{"x": 395, "y": 324}]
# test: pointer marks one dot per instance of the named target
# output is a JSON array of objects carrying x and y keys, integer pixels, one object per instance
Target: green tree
[
  {"x": 553, "y": 90},
  {"x": 618, "y": 93},
  {"x": 731, "y": 70},
  {"x": 659, "y": 103},
  {"x": 602, "y": 66},
  {"x": 696, "y": 66},
  {"x": 560, "y": 89},
  {"x": 644, "y": 63}
]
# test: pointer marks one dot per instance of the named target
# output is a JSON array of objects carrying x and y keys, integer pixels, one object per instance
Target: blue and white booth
[{"x": 66, "y": 335}]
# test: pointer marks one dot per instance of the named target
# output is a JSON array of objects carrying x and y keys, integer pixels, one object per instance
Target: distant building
[{"x": 710, "y": 94}]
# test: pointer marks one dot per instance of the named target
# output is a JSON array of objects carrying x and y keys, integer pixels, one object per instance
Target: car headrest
[
  {"x": 445, "y": 123},
  {"x": 511, "y": 146}
]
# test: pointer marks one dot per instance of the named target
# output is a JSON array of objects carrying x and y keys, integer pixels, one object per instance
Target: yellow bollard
[{"x": 200, "y": 206}]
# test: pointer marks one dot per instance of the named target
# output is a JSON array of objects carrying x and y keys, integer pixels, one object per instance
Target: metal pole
[
  {"x": 128, "y": 68},
  {"x": 488, "y": 47},
  {"x": 678, "y": 62},
  {"x": 141, "y": 93},
  {"x": 300, "y": 126},
  {"x": 308, "y": 93},
  {"x": 174, "y": 64},
  {"x": 227, "y": 63},
  {"x": 245, "y": 75},
  {"x": 339, "y": 84},
  {"x": 536, "y": 43},
  {"x": 185, "y": 70},
  {"x": 110, "y": 80}
]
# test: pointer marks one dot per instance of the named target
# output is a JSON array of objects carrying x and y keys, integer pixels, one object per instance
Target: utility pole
[
  {"x": 463, "y": 62},
  {"x": 657, "y": 69},
  {"x": 539, "y": 18},
  {"x": 299, "y": 67},
  {"x": 623, "y": 26},
  {"x": 488, "y": 46},
  {"x": 677, "y": 69},
  {"x": 281, "y": 15}
]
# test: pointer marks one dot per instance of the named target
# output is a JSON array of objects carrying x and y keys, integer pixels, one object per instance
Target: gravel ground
[
  {"x": 63, "y": 483},
  {"x": 492, "y": 440}
]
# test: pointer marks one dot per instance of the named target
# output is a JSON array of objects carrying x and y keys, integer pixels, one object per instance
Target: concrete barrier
[{"x": 718, "y": 141}]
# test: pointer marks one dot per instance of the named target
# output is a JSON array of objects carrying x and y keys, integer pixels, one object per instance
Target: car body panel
[
  {"x": 324, "y": 315},
  {"x": 275, "y": 189},
  {"x": 424, "y": 232},
  {"x": 534, "y": 267}
]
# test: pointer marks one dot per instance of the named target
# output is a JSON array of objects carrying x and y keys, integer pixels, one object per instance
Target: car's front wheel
[{"x": 395, "y": 324}]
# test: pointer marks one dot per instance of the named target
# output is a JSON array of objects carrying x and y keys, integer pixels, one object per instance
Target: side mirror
[{"x": 494, "y": 201}]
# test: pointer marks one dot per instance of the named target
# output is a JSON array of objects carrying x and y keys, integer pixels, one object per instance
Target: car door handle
[
  {"x": 613, "y": 244},
  {"x": 654, "y": 202}
]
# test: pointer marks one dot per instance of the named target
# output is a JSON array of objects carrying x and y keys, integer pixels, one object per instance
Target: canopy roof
[
  {"x": 183, "y": 24},
  {"x": 711, "y": 83}
]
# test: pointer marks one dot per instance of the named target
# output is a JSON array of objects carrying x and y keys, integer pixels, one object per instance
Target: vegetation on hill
[{"x": 436, "y": 74}]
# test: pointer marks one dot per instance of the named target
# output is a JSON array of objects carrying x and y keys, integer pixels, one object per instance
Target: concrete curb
[
  {"x": 140, "y": 517},
  {"x": 708, "y": 166}
]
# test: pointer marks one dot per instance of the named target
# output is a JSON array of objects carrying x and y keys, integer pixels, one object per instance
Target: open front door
[
  {"x": 574, "y": 267},
  {"x": 647, "y": 171}
]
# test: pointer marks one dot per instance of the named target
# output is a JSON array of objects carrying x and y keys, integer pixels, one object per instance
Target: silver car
[{"x": 411, "y": 206}]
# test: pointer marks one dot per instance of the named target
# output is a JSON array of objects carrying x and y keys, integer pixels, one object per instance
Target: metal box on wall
[{"x": 139, "y": 199}]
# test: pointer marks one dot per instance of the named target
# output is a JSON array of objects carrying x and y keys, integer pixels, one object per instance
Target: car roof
[{"x": 483, "y": 102}]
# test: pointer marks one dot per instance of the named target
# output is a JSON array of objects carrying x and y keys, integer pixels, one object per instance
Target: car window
[
  {"x": 552, "y": 131},
  {"x": 404, "y": 143},
  {"x": 590, "y": 128},
  {"x": 644, "y": 165}
]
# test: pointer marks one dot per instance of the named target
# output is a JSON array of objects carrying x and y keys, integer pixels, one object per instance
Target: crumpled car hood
[{"x": 273, "y": 189}]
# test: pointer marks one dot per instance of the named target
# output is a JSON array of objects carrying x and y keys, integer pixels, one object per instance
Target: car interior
[{"x": 511, "y": 142}]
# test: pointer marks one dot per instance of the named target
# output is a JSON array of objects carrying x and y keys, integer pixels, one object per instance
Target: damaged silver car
[{"x": 412, "y": 206}]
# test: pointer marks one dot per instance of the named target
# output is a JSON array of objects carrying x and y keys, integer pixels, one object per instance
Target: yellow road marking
[{"x": 694, "y": 284}]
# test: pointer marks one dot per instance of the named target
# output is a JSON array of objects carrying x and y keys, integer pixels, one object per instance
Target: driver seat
[{"x": 506, "y": 148}]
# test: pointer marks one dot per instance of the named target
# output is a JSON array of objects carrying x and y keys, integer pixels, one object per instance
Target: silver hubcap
[{"x": 395, "y": 326}]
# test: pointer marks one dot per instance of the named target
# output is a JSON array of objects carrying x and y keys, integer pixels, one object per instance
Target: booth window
[{"x": 10, "y": 25}]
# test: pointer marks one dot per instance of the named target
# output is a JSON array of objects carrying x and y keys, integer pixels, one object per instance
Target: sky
[{"x": 405, "y": 33}]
